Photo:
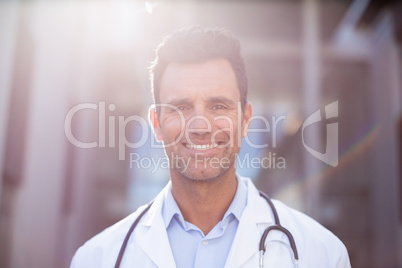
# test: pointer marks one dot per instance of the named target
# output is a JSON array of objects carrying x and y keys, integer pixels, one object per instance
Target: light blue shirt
[{"x": 190, "y": 247}]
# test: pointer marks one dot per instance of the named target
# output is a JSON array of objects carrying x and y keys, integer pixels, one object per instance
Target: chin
[{"x": 202, "y": 175}]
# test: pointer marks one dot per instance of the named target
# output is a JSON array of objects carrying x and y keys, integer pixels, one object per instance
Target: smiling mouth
[{"x": 202, "y": 147}]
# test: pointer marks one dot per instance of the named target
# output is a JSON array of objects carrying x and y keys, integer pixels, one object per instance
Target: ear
[
  {"x": 153, "y": 118},
  {"x": 248, "y": 113}
]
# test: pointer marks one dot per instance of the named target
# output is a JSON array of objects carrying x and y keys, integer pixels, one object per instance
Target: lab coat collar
[
  {"x": 257, "y": 204},
  {"x": 156, "y": 209},
  {"x": 155, "y": 241},
  {"x": 255, "y": 218},
  {"x": 252, "y": 223}
]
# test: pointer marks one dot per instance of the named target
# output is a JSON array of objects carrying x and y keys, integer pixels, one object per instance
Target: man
[{"x": 207, "y": 216}]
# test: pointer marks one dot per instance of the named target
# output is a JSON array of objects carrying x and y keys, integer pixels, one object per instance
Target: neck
[{"x": 204, "y": 203}]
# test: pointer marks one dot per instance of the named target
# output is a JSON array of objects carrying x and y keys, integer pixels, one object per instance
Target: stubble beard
[{"x": 190, "y": 170}]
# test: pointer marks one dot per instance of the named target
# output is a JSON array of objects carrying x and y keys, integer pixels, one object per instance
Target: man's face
[{"x": 200, "y": 119}]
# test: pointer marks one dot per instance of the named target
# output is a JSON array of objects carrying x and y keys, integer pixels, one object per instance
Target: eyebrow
[
  {"x": 222, "y": 99},
  {"x": 176, "y": 102}
]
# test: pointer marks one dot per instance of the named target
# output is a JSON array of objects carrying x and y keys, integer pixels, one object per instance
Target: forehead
[{"x": 211, "y": 78}]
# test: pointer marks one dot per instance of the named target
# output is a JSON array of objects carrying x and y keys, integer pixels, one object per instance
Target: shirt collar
[
  {"x": 239, "y": 201},
  {"x": 170, "y": 207}
]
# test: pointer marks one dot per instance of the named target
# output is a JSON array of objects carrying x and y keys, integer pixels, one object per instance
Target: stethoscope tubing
[
  {"x": 262, "y": 247},
  {"x": 130, "y": 231},
  {"x": 278, "y": 227}
]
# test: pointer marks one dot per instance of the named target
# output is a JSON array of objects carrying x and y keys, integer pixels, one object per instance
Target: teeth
[{"x": 201, "y": 147}]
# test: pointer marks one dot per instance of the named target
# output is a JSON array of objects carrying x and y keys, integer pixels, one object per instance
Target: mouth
[{"x": 201, "y": 147}]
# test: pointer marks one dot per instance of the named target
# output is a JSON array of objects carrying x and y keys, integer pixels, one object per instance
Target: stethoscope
[{"x": 262, "y": 248}]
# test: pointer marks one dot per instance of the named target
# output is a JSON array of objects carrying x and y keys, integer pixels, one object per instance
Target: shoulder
[
  {"x": 102, "y": 249},
  {"x": 312, "y": 239},
  {"x": 317, "y": 246},
  {"x": 297, "y": 222}
]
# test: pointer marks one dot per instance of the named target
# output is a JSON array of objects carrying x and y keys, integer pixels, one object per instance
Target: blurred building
[{"x": 92, "y": 56}]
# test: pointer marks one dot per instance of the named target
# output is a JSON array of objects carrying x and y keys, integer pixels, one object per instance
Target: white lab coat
[{"x": 149, "y": 246}]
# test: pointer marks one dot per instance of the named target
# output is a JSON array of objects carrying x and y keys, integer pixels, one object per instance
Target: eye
[
  {"x": 182, "y": 108},
  {"x": 219, "y": 107}
]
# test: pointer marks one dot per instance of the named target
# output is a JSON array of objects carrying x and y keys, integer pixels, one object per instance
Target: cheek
[
  {"x": 172, "y": 127},
  {"x": 227, "y": 124}
]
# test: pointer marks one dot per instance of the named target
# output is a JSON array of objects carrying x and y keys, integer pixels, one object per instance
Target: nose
[{"x": 199, "y": 122}]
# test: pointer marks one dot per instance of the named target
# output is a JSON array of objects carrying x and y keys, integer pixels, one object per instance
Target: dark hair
[{"x": 197, "y": 45}]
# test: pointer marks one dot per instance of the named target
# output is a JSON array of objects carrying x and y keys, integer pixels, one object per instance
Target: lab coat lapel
[
  {"x": 245, "y": 244},
  {"x": 155, "y": 241},
  {"x": 255, "y": 218}
]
